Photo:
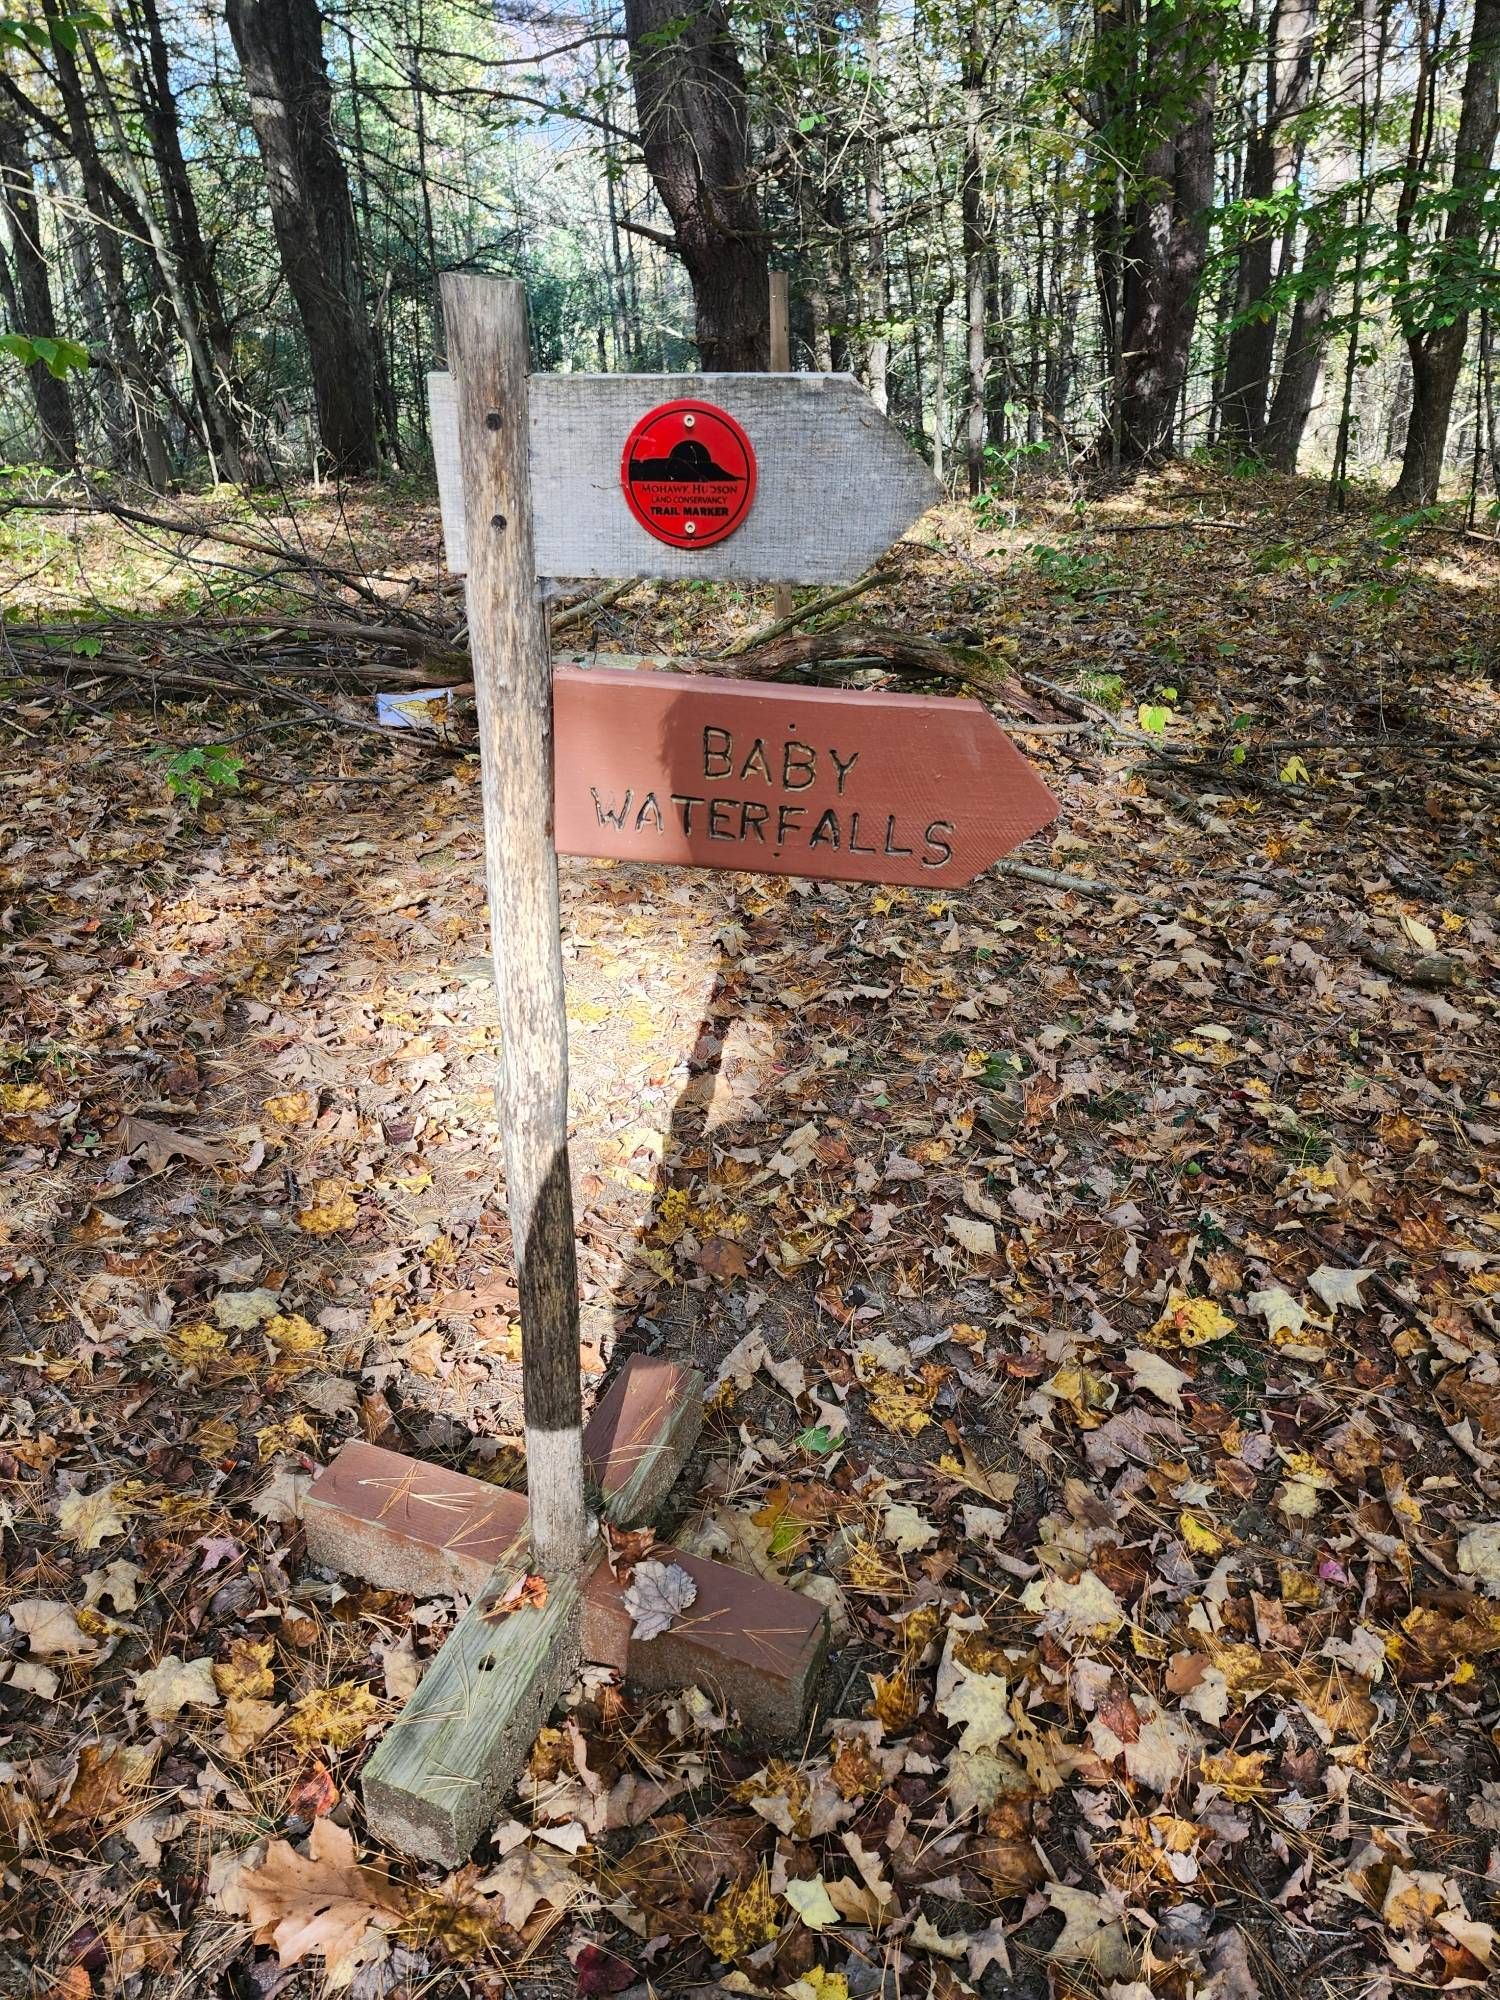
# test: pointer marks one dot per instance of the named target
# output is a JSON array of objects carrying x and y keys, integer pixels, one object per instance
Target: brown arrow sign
[{"x": 709, "y": 773}]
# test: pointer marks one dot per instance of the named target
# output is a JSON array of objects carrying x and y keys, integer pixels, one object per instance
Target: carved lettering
[
  {"x": 650, "y": 813},
  {"x": 934, "y": 838},
  {"x": 608, "y": 815},
  {"x": 827, "y": 829},
  {"x": 787, "y": 816},
  {"x": 717, "y": 806},
  {"x": 843, "y": 766},
  {"x": 890, "y": 838},
  {"x": 687, "y": 801},
  {"x": 758, "y": 762},
  {"x": 854, "y": 846},
  {"x": 717, "y": 762},
  {"x": 799, "y": 761},
  {"x": 753, "y": 817}
]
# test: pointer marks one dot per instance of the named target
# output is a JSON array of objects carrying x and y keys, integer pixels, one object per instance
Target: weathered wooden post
[
  {"x": 774, "y": 478},
  {"x": 490, "y": 358}
]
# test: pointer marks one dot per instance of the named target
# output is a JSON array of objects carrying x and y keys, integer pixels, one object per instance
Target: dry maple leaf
[
  {"x": 52, "y": 1628},
  {"x": 976, "y": 1703},
  {"x": 174, "y": 1684},
  {"x": 336, "y": 1716},
  {"x": 656, "y": 1596},
  {"x": 323, "y": 1902},
  {"x": 91, "y": 1518}
]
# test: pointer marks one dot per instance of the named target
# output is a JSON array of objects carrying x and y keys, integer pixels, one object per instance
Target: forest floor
[{"x": 1102, "y": 1287}]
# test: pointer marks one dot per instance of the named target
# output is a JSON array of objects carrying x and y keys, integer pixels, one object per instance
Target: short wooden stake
[{"x": 489, "y": 354}]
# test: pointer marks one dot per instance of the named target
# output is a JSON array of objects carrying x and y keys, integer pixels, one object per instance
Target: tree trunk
[
  {"x": 219, "y": 430},
  {"x": 23, "y": 241},
  {"x": 878, "y": 296},
  {"x": 693, "y": 117},
  {"x": 158, "y": 103},
  {"x": 1437, "y": 346},
  {"x": 280, "y": 47},
  {"x": 1268, "y": 164},
  {"x": 1302, "y": 364},
  {"x": 140, "y": 435},
  {"x": 1168, "y": 243},
  {"x": 976, "y": 257}
]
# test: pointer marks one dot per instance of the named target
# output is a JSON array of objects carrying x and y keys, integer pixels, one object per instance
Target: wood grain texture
[
  {"x": 435, "y": 1778},
  {"x": 837, "y": 482},
  {"x": 488, "y": 347},
  {"x": 699, "y": 771}
]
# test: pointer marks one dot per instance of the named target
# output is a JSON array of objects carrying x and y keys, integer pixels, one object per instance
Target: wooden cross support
[{"x": 432, "y": 1785}]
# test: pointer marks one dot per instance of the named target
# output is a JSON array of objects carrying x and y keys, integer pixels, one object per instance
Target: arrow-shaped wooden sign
[
  {"x": 831, "y": 483},
  {"x": 712, "y": 773}
]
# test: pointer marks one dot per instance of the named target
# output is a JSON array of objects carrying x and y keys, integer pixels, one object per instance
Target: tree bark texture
[
  {"x": 1437, "y": 332},
  {"x": 976, "y": 258},
  {"x": 1269, "y": 160},
  {"x": 23, "y": 242},
  {"x": 280, "y": 48},
  {"x": 1167, "y": 246},
  {"x": 693, "y": 116}
]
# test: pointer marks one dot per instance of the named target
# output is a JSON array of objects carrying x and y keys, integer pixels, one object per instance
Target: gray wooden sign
[{"x": 837, "y": 483}]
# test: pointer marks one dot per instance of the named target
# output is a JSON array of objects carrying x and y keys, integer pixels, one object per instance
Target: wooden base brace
[{"x": 434, "y": 1781}]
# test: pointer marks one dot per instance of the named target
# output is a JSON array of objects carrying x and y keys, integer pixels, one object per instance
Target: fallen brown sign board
[{"x": 699, "y": 771}]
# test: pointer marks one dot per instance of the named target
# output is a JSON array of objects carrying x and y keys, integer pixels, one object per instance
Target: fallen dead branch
[
  {"x": 907, "y": 652},
  {"x": 829, "y": 601}
]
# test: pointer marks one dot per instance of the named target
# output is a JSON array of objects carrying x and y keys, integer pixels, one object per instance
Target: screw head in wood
[
  {"x": 493, "y": 421},
  {"x": 497, "y": 520}
]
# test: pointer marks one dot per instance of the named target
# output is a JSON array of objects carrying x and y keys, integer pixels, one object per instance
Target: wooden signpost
[{"x": 777, "y": 477}]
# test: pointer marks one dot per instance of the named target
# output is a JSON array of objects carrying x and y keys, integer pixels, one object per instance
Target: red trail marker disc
[{"x": 688, "y": 474}]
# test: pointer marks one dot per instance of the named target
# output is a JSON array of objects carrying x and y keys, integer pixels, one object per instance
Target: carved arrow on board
[
  {"x": 690, "y": 769},
  {"x": 837, "y": 482}
]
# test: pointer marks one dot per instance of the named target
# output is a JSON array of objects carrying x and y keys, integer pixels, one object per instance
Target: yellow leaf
[
  {"x": 247, "y": 1671},
  {"x": 1240, "y": 1777},
  {"x": 288, "y": 1436},
  {"x": 743, "y": 1919},
  {"x": 1198, "y": 1536},
  {"x": 894, "y": 1701},
  {"x": 1192, "y": 1322},
  {"x": 1295, "y": 772},
  {"x": 330, "y": 1210},
  {"x": 899, "y": 1405},
  {"x": 18, "y": 1098},
  {"x": 296, "y": 1340},
  {"x": 292, "y": 1107},
  {"x": 334, "y": 1718}
]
